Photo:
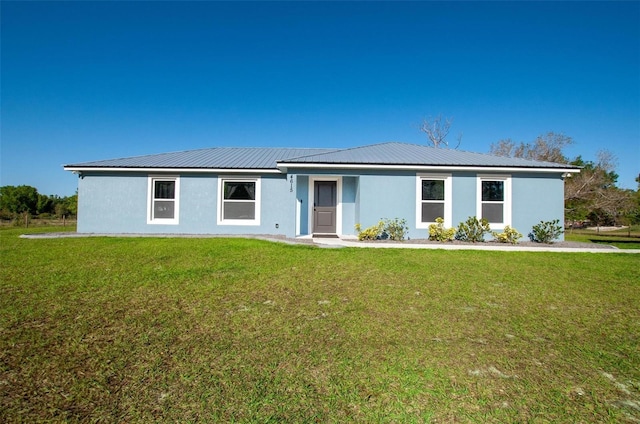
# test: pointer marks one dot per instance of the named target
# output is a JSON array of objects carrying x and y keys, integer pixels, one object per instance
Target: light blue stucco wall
[
  {"x": 118, "y": 202},
  {"x": 537, "y": 197},
  {"x": 463, "y": 188},
  {"x": 386, "y": 196},
  {"x": 369, "y": 196},
  {"x": 349, "y": 194},
  {"x": 111, "y": 203},
  {"x": 366, "y": 197},
  {"x": 302, "y": 197}
]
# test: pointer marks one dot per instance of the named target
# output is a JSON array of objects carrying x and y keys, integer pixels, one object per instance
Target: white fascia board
[
  {"x": 174, "y": 170},
  {"x": 284, "y": 166}
]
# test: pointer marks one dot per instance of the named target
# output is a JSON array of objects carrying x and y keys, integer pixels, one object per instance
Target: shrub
[
  {"x": 472, "y": 230},
  {"x": 395, "y": 229},
  {"x": 437, "y": 231},
  {"x": 372, "y": 233},
  {"x": 546, "y": 231},
  {"x": 509, "y": 235}
]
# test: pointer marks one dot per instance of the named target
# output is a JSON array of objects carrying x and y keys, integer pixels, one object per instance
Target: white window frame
[
  {"x": 257, "y": 201},
  {"x": 448, "y": 198},
  {"x": 151, "y": 219},
  {"x": 506, "y": 212}
]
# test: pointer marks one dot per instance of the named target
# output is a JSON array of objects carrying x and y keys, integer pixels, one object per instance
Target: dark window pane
[
  {"x": 165, "y": 189},
  {"x": 493, "y": 212},
  {"x": 493, "y": 191},
  {"x": 431, "y": 211},
  {"x": 163, "y": 209},
  {"x": 242, "y": 190},
  {"x": 432, "y": 190},
  {"x": 239, "y": 210}
]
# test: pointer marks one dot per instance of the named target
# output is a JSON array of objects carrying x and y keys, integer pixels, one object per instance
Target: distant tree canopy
[
  {"x": 24, "y": 199},
  {"x": 548, "y": 147},
  {"x": 590, "y": 195}
]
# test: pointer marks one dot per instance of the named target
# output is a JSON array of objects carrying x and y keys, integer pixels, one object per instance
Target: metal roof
[
  {"x": 375, "y": 155},
  {"x": 394, "y": 153},
  {"x": 216, "y": 157}
]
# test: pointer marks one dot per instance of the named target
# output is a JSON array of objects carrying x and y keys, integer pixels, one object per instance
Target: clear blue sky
[{"x": 86, "y": 81}]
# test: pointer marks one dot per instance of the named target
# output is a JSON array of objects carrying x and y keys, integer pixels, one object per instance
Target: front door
[{"x": 324, "y": 207}]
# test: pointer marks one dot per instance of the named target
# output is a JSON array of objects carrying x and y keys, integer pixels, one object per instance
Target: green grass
[
  {"x": 622, "y": 239},
  {"x": 232, "y": 330}
]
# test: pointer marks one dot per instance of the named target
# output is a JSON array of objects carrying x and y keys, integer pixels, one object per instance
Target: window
[
  {"x": 433, "y": 199},
  {"x": 163, "y": 200},
  {"x": 494, "y": 200},
  {"x": 239, "y": 201}
]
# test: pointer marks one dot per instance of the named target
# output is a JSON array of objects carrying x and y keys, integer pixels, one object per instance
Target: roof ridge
[
  {"x": 328, "y": 150},
  {"x": 345, "y": 149}
]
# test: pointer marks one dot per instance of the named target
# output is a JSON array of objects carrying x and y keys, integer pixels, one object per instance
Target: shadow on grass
[{"x": 630, "y": 241}]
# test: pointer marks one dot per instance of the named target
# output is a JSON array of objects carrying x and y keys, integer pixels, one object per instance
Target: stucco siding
[
  {"x": 349, "y": 190},
  {"x": 112, "y": 203},
  {"x": 537, "y": 198},
  {"x": 118, "y": 203},
  {"x": 278, "y": 207},
  {"x": 464, "y": 187},
  {"x": 302, "y": 197},
  {"x": 386, "y": 196}
]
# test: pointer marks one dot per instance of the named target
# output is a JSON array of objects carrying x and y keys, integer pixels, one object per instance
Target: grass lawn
[
  {"x": 233, "y": 330},
  {"x": 622, "y": 239}
]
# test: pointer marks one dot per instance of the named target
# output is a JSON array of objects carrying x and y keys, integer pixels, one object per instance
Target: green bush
[
  {"x": 472, "y": 230},
  {"x": 509, "y": 235},
  {"x": 546, "y": 231},
  {"x": 437, "y": 231},
  {"x": 395, "y": 229},
  {"x": 372, "y": 233}
]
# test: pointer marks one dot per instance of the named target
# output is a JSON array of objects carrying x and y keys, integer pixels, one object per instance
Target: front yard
[{"x": 163, "y": 329}]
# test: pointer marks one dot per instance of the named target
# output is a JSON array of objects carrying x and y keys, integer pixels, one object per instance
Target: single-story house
[{"x": 297, "y": 192}]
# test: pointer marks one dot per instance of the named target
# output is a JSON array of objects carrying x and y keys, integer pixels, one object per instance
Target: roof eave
[
  {"x": 285, "y": 166},
  {"x": 80, "y": 168}
]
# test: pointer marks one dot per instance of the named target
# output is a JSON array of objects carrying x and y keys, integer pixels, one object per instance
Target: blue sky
[{"x": 85, "y": 81}]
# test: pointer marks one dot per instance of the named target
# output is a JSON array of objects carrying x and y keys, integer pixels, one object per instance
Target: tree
[
  {"x": 18, "y": 200},
  {"x": 46, "y": 204},
  {"x": 590, "y": 195},
  {"x": 67, "y": 206},
  {"x": 547, "y": 147},
  {"x": 437, "y": 129}
]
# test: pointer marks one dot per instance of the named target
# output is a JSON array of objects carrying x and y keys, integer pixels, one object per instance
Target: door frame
[{"x": 338, "y": 180}]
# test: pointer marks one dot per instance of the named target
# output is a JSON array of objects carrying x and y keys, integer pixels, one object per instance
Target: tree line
[{"x": 24, "y": 200}]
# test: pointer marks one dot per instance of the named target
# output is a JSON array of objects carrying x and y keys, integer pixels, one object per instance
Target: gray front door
[{"x": 324, "y": 207}]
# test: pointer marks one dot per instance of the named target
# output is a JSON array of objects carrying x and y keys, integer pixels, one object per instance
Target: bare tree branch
[{"x": 437, "y": 129}]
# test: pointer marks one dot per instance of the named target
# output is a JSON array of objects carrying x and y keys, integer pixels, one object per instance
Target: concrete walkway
[
  {"x": 353, "y": 242},
  {"x": 344, "y": 242}
]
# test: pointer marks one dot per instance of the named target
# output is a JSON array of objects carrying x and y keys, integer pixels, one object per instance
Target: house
[{"x": 298, "y": 192}]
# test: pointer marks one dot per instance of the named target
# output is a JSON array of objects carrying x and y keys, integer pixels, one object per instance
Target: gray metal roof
[
  {"x": 391, "y": 153},
  {"x": 394, "y": 153},
  {"x": 216, "y": 157}
]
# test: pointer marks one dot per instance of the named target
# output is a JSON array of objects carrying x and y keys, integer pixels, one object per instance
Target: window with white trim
[
  {"x": 433, "y": 199},
  {"x": 163, "y": 203},
  {"x": 239, "y": 201},
  {"x": 494, "y": 200}
]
